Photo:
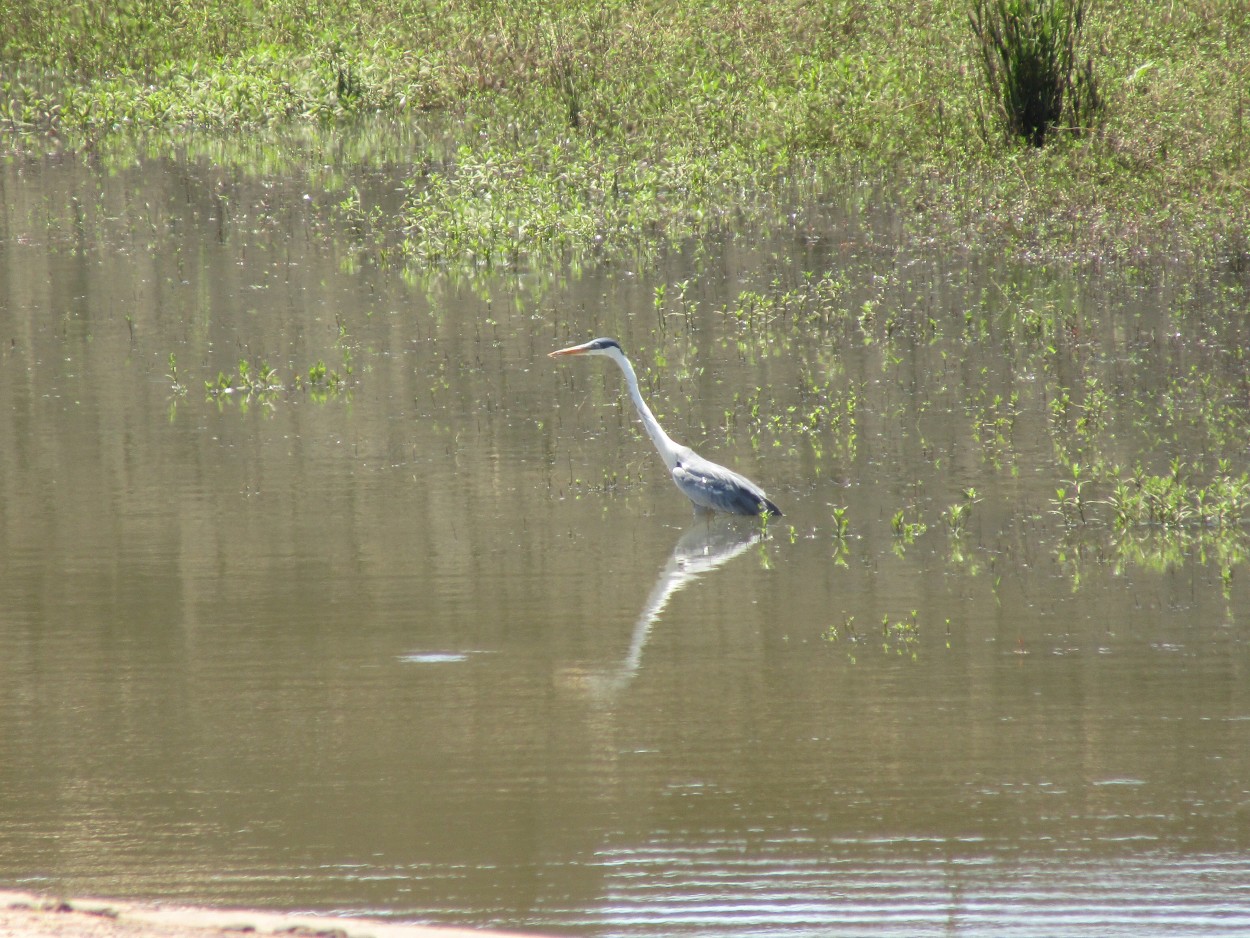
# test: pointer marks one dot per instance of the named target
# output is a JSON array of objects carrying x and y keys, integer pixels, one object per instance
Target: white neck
[{"x": 663, "y": 442}]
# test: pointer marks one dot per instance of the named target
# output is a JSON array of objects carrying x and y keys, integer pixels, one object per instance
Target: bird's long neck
[{"x": 663, "y": 442}]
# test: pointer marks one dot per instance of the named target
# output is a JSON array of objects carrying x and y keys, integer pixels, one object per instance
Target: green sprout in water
[
  {"x": 843, "y": 633},
  {"x": 901, "y": 637},
  {"x": 322, "y": 383},
  {"x": 956, "y": 515},
  {"x": 176, "y": 386},
  {"x": 840, "y": 523},
  {"x": 841, "y": 549},
  {"x": 1070, "y": 501},
  {"x": 905, "y": 530}
]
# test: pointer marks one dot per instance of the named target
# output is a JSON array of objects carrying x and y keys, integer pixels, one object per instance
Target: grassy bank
[{"x": 603, "y": 122}]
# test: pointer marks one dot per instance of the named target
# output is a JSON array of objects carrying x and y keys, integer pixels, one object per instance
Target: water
[{"x": 447, "y": 646}]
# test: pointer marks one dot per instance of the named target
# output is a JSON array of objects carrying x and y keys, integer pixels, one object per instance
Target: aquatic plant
[
  {"x": 993, "y": 423},
  {"x": 834, "y": 632},
  {"x": 176, "y": 384},
  {"x": 841, "y": 525},
  {"x": 320, "y": 382},
  {"x": 904, "y": 530},
  {"x": 841, "y": 529},
  {"x": 901, "y": 637},
  {"x": 1070, "y": 501},
  {"x": 898, "y": 637},
  {"x": 259, "y": 383},
  {"x": 1174, "y": 500},
  {"x": 957, "y": 514}
]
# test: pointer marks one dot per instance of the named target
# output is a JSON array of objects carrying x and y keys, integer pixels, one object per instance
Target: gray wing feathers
[{"x": 711, "y": 486}]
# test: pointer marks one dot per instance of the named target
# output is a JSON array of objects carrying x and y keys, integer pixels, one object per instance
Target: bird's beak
[{"x": 571, "y": 350}]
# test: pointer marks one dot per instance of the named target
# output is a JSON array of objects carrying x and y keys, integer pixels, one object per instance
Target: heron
[{"x": 709, "y": 486}]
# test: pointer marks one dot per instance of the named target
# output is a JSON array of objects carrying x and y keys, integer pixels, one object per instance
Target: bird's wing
[{"x": 709, "y": 485}]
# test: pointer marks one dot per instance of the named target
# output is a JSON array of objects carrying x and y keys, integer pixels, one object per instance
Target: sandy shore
[{"x": 29, "y": 914}]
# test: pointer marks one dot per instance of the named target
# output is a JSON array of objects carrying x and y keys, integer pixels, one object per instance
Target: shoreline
[{"x": 50, "y": 916}]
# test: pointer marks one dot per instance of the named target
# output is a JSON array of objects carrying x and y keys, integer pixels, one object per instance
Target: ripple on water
[{"x": 910, "y": 888}]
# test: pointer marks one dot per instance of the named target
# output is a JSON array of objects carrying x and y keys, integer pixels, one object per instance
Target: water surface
[{"x": 444, "y": 644}]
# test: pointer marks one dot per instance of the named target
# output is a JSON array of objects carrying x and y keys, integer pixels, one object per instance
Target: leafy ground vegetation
[{"x": 592, "y": 126}]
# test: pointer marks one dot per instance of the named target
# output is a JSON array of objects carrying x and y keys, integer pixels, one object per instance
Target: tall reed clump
[
  {"x": 576, "y": 48},
  {"x": 1028, "y": 54}
]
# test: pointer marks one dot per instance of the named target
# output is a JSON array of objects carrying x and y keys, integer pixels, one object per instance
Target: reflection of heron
[
  {"x": 709, "y": 486},
  {"x": 701, "y": 549}
]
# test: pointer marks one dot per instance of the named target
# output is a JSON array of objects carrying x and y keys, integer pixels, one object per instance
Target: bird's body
[{"x": 709, "y": 486}]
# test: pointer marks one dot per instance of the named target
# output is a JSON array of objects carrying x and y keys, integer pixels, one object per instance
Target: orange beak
[{"x": 571, "y": 350}]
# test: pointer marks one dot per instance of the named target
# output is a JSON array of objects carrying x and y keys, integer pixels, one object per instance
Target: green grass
[{"x": 618, "y": 126}]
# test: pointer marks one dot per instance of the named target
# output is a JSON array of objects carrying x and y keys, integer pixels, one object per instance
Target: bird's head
[{"x": 604, "y": 346}]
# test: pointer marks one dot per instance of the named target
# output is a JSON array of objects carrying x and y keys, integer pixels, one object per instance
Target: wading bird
[{"x": 709, "y": 486}]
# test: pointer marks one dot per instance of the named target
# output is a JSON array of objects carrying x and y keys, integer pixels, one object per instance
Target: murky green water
[{"x": 444, "y": 643}]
